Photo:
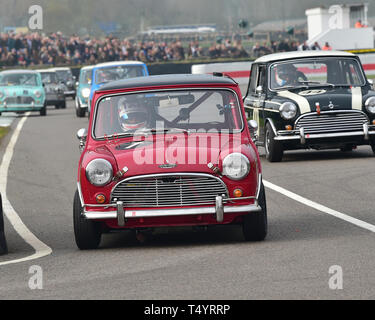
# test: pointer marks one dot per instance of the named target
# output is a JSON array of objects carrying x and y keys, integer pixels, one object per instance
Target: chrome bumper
[
  {"x": 121, "y": 213},
  {"x": 303, "y": 137}
]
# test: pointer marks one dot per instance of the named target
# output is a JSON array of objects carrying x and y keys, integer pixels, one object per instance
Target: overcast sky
[{"x": 73, "y": 15}]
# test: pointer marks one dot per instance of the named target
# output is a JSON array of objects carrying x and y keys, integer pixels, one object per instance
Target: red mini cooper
[{"x": 165, "y": 151}]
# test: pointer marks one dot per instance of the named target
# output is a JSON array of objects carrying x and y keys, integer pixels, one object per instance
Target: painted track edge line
[
  {"x": 41, "y": 249},
  {"x": 319, "y": 207}
]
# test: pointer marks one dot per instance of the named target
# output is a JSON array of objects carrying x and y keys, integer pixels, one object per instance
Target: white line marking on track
[
  {"x": 319, "y": 207},
  {"x": 41, "y": 249}
]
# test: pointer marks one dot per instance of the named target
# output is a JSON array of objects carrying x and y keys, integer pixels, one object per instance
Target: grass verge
[{"x": 3, "y": 132}]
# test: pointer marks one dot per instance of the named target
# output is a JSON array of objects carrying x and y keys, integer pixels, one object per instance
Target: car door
[{"x": 256, "y": 96}]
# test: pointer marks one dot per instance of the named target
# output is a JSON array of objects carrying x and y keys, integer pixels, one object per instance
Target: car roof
[
  {"x": 61, "y": 69},
  {"x": 118, "y": 63},
  {"x": 45, "y": 71},
  {"x": 166, "y": 80},
  {"x": 87, "y": 67},
  {"x": 19, "y": 71},
  {"x": 302, "y": 54}
]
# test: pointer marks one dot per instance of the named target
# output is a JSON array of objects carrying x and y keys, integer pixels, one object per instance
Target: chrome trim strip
[
  {"x": 323, "y": 135},
  {"x": 80, "y": 194},
  {"x": 120, "y": 214},
  {"x": 365, "y": 130},
  {"x": 259, "y": 183},
  {"x": 272, "y": 126},
  {"x": 219, "y": 209},
  {"x": 302, "y": 135},
  {"x": 169, "y": 212}
]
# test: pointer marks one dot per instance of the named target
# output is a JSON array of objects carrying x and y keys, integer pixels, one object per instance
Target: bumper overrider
[
  {"x": 363, "y": 131},
  {"x": 118, "y": 210}
]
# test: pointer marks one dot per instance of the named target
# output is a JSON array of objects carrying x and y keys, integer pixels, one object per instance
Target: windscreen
[
  {"x": 108, "y": 74},
  {"x": 19, "y": 79},
  {"x": 156, "y": 112},
  {"x": 317, "y": 72},
  {"x": 49, "y": 77},
  {"x": 85, "y": 77},
  {"x": 64, "y": 75}
]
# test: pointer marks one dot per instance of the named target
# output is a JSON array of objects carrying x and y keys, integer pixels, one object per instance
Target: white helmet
[{"x": 132, "y": 115}]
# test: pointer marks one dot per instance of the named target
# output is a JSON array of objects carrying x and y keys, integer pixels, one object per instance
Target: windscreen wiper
[
  {"x": 166, "y": 130},
  {"x": 318, "y": 84}
]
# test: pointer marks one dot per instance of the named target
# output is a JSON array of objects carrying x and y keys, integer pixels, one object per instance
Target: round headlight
[
  {"x": 288, "y": 110},
  {"x": 370, "y": 104},
  {"x": 85, "y": 92},
  {"x": 99, "y": 172},
  {"x": 38, "y": 93},
  {"x": 236, "y": 166}
]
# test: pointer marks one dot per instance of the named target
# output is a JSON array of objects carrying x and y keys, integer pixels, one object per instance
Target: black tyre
[
  {"x": 3, "y": 243},
  {"x": 63, "y": 105},
  {"x": 373, "y": 147},
  {"x": 347, "y": 148},
  {"x": 254, "y": 225},
  {"x": 43, "y": 111},
  {"x": 274, "y": 149},
  {"x": 57, "y": 106},
  {"x": 87, "y": 233},
  {"x": 79, "y": 111}
]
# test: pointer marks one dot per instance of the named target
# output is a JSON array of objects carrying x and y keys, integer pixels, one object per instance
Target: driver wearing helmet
[
  {"x": 132, "y": 115},
  {"x": 289, "y": 75}
]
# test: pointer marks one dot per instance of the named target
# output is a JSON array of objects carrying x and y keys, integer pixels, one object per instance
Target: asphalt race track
[{"x": 293, "y": 263}]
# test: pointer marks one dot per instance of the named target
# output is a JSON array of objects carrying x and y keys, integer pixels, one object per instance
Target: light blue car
[
  {"x": 112, "y": 71},
  {"x": 21, "y": 91},
  {"x": 83, "y": 90}
]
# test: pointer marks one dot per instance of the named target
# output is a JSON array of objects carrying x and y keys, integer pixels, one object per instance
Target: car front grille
[
  {"x": 169, "y": 190},
  {"x": 19, "y": 100},
  {"x": 332, "y": 122}
]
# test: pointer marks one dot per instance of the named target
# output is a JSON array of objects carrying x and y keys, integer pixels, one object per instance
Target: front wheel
[
  {"x": 373, "y": 147},
  {"x": 43, "y": 111},
  {"x": 80, "y": 113},
  {"x": 254, "y": 225},
  {"x": 87, "y": 233},
  {"x": 274, "y": 149},
  {"x": 63, "y": 105},
  {"x": 347, "y": 148}
]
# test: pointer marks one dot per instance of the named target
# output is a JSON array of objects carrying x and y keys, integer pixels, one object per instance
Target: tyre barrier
[{"x": 3, "y": 243}]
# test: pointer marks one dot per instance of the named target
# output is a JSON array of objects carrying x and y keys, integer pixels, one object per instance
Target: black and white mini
[{"x": 310, "y": 99}]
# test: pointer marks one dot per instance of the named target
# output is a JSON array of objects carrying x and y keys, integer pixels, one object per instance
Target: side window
[
  {"x": 253, "y": 80},
  {"x": 262, "y": 77},
  {"x": 352, "y": 73}
]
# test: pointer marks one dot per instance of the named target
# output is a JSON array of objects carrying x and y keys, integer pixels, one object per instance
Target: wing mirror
[
  {"x": 82, "y": 136},
  {"x": 370, "y": 81}
]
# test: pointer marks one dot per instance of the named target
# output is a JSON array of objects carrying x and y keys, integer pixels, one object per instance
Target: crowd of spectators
[
  {"x": 56, "y": 49},
  {"x": 285, "y": 45}
]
